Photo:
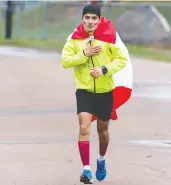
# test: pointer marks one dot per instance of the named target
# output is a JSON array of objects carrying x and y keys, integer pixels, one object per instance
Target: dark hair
[{"x": 93, "y": 9}]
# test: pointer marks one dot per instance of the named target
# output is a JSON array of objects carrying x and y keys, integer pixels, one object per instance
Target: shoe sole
[{"x": 86, "y": 180}]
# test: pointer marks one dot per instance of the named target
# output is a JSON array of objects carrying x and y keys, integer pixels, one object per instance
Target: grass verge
[
  {"x": 153, "y": 53},
  {"x": 53, "y": 45}
]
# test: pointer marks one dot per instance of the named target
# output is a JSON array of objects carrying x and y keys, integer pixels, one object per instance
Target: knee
[
  {"x": 103, "y": 135},
  {"x": 84, "y": 130}
]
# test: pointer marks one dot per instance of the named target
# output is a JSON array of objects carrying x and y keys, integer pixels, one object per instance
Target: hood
[{"x": 105, "y": 31}]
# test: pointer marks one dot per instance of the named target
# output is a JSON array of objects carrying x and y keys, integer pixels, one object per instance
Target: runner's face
[{"x": 90, "y": 22}]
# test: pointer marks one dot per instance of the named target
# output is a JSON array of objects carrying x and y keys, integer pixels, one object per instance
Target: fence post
[
  {"x": 8, "y": 23},
  {"x": 18, "y": 30},
  {"x": 78, "y": 17},
  {"x": 148, "y": 25},
  {"x": 45, "y": 29}
]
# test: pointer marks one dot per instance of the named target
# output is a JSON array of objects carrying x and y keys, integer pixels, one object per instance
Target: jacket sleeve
[
  {"x": 69, "y": 56},
  {"x": 119, "y": 61}
]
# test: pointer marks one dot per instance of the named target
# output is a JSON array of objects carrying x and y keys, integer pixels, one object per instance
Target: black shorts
[{"x": 99, "y": 104}]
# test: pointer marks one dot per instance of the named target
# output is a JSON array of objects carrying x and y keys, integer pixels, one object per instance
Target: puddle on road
[
  {"x": 157, "y": 143},
  {"x": 160, "y": 90},
  {"x": 25, "y": 52}
]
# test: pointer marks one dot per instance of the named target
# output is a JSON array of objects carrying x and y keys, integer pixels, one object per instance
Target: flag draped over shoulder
[{"x": 124, "y": 78}]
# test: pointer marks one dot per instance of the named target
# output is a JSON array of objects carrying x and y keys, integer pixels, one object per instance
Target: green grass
[
  {"x": 139, "y": 51},
  {"x": 39, "y": 44},
  {"x": 158, "y": 54}
]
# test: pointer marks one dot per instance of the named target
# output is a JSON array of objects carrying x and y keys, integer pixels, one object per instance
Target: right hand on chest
[{"x": 92, "y": 50}]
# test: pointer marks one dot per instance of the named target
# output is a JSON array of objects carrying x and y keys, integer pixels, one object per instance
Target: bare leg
[
  {"x": 84, "y": 146},
  {"x": 102, "y": 129},
  {"x": 85, "y": 123},
  {"x": 83, "y": 141}
]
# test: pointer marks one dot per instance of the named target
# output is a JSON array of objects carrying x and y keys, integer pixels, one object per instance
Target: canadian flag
[{"x": 123, "y": 79}]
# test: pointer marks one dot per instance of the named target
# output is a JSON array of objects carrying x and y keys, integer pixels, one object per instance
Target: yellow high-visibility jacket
[{"x": 111, "y": 57}]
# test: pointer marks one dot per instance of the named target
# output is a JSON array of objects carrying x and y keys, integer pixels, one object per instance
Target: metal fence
[{"x": 135, "y": 22}]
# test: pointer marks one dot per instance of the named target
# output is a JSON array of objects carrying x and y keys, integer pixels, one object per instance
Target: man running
[{"x": 92, "y": 52}]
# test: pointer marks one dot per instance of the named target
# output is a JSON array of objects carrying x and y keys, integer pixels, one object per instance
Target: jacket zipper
[
  {"x": 94, "y": 78},
  {"x": 93, "y": 67}
]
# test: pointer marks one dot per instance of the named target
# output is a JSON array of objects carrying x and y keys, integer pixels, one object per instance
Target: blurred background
[{"x": 46, "y": 24}]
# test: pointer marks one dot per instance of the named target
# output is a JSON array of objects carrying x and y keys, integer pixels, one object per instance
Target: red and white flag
[{"x": 123, "y": 79}]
